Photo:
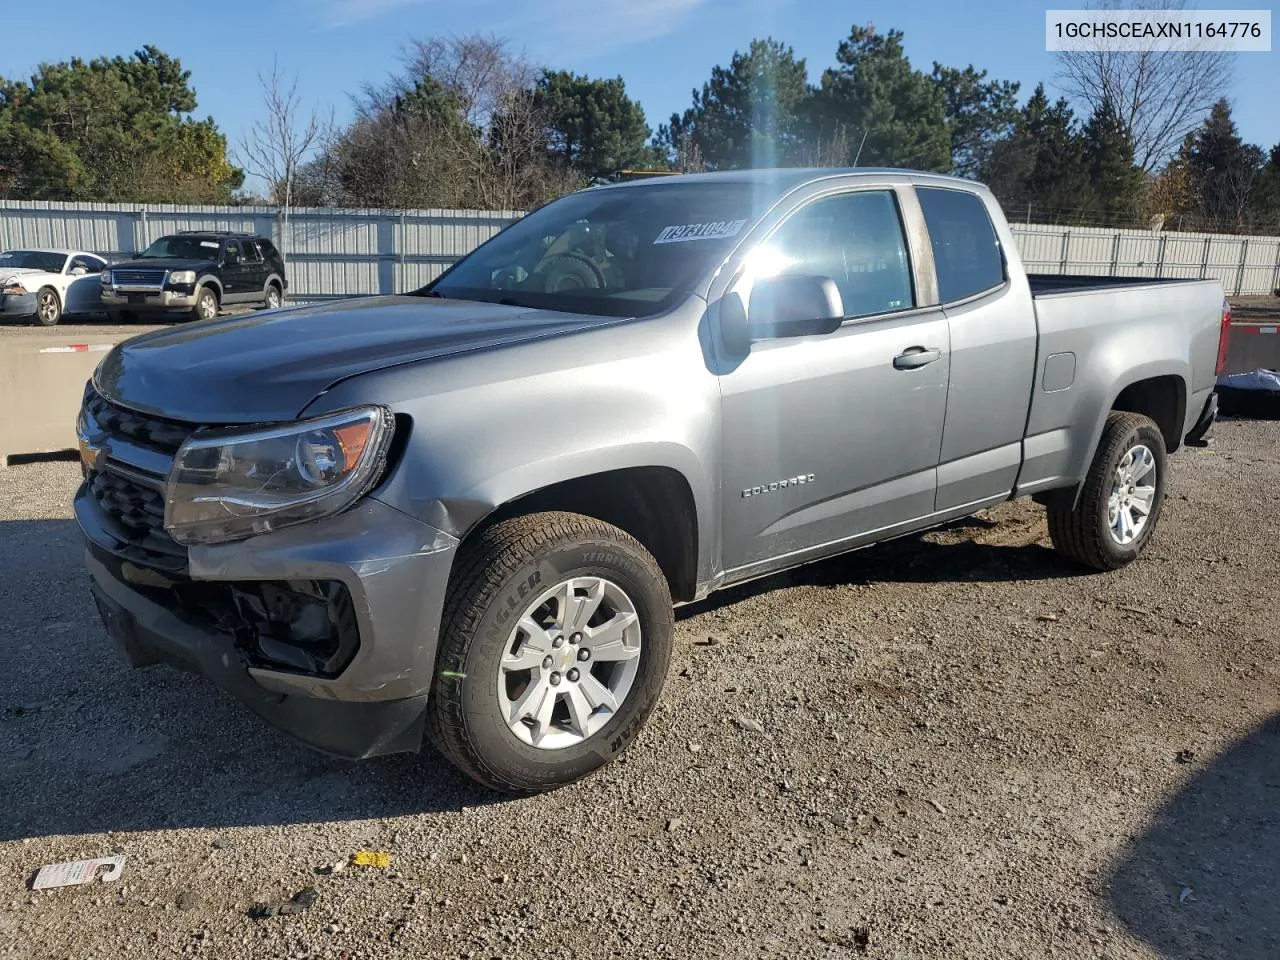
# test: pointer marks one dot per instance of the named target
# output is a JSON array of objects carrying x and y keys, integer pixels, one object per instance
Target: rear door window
[
  {"x": 251, "y": 254},
  {"x": 966, "y": 250}
]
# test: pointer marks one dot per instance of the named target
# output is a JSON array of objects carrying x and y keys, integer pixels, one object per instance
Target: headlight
[
  {"x": 230, "y": 484},
  {"x": 182, "y": 276},
  {"x": 104, "y": 278},
  {"x": 15, "y": 288}
]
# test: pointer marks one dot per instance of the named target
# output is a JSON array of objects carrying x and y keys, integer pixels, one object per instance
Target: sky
[{"x": 663, "y": 49}]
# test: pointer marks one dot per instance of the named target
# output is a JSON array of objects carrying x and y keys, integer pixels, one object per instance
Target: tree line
[{"x": 1140, "y": 139}]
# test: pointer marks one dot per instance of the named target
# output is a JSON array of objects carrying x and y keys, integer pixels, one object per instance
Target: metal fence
[{"x": 343, "y": 253}]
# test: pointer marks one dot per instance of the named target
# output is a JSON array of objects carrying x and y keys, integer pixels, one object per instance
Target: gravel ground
[{"x": 968, "y": 751}]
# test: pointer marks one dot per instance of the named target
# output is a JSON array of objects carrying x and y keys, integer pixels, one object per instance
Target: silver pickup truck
[{"x": 464, "y": 514}]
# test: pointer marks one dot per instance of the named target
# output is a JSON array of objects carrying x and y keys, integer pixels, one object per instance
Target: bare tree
[
  {"x": 1158, "y": 96},
  {"x": 458, "y": 126},
  {"x": 277, "y": 146}
]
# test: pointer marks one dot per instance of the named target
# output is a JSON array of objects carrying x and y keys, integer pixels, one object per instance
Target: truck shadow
[
  {"x": 912, "y": 559},
  {"x": 89, "y": 745},
  {"x": 1201, "y": 881}
]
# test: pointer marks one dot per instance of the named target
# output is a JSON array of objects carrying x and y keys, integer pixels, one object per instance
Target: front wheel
[
  {"x": 206, "y": 304},
  {"x": 554, "y": 647},
  {"x": 48, "y": 307},
  {"x": 1119, "y": 506}
]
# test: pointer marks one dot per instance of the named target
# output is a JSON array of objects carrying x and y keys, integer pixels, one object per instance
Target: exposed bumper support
[{"x": 395, "y": 569}]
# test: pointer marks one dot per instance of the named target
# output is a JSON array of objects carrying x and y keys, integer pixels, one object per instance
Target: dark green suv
[{"x": 194, "y": 274}]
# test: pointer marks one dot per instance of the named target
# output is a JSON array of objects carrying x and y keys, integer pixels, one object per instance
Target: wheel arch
[
  {"x": 1158, "y": 392},
  {"x": 653, "y": 503}
]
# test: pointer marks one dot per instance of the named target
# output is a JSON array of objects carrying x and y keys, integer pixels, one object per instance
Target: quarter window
[
  {"x": 856, "y": 239},
  {"x": 966, "y": 250}
]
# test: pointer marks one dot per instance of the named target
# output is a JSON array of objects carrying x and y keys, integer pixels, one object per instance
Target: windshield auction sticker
[
  {"x": 718, "y": 230},
  {"x": 1158, "y": 31}
]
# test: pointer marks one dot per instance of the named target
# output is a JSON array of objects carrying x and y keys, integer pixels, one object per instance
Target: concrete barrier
[{"x": 42, "y": 378}]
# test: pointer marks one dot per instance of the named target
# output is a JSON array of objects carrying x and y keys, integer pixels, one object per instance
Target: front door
[
  {"x": 826, "y": 438},
  {"x": 84, "y": 292}
]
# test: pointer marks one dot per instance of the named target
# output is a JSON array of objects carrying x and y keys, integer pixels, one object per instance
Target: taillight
[{"x": 1224, "y": 338}]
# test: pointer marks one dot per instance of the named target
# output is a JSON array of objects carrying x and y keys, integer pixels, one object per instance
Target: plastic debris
[
  {"x": 1261, "y": 379},
  {"x": 1185, "y": 895},
  {"x": 747, "y": 723},
  {"x": 75, "y": 872},
  {"x": 371, "y": 858},
  {"x": 302, "y": 900}
]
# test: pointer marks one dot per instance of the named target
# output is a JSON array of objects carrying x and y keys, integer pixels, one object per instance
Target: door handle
[{"x": 914, "y": 357}]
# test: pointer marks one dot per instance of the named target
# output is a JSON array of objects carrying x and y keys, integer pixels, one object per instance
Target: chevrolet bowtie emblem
[{"x": 92, "y": 449}]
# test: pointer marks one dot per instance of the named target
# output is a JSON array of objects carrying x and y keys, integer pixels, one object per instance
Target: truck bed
[
  {"x": 1096, "y": 335},
  {"x": 1045, "y": 284}
]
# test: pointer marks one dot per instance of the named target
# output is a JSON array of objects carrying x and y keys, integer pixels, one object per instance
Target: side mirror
[
  {"x": 78, "y": 271},
  {"x": 796, "y": 306}
]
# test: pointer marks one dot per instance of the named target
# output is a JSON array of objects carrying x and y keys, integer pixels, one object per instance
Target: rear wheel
[
  {"x": 554, "y": 648},
  {"x": 1119, "y": 506},
  {"x": 274, "y": 299},
  {"x": 48, "y": 307}
]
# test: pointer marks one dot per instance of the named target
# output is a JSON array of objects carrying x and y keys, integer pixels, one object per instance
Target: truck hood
[{"x": 269, "y": 366}]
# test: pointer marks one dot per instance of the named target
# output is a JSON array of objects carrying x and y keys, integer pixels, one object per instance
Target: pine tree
[{"x": 1116, "y": 183}]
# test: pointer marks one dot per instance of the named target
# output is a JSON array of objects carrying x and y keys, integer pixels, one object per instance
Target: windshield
[
  {"x": 628, "y": 252},
  {"x": 182, "y": 248},
  {"x": 33, "y": 260}
]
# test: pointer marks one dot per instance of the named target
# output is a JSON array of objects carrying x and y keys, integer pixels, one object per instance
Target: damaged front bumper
[{"x": 347, "y": 675}]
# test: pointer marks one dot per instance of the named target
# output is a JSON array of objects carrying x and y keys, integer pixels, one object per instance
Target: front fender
[{"x": 487, "y": 428}]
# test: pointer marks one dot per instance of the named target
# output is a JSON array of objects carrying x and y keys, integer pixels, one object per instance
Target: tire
[
  {"x": 499, "y": 578},
  {"x": 569, "y": 271},
  {"x": 1086, "y": 534},
  {"x": 48, "y": 307},
  {"x": 274, "y": 298},
  {"x": 206, "y": 307}
]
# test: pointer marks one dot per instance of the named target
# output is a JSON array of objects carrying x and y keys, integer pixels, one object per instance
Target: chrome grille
[{"x": 147, "y": 278}]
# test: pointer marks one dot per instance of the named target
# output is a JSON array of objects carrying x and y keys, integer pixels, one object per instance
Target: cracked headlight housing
[{"x": 228, "y": 484}]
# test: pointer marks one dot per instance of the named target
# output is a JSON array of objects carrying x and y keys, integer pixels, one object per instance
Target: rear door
[
  {"x": 236, "y": 274},
  {"x": 255, "y": 268},
  {"x": 828, "y": 438},
  {"x": 993, "y": 347}
]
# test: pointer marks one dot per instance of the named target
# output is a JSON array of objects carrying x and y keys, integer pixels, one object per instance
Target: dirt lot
[{"x": 969, "y": 751}]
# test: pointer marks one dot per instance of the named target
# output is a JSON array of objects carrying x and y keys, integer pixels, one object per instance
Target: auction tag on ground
[{"x": 77, "y": 872}]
